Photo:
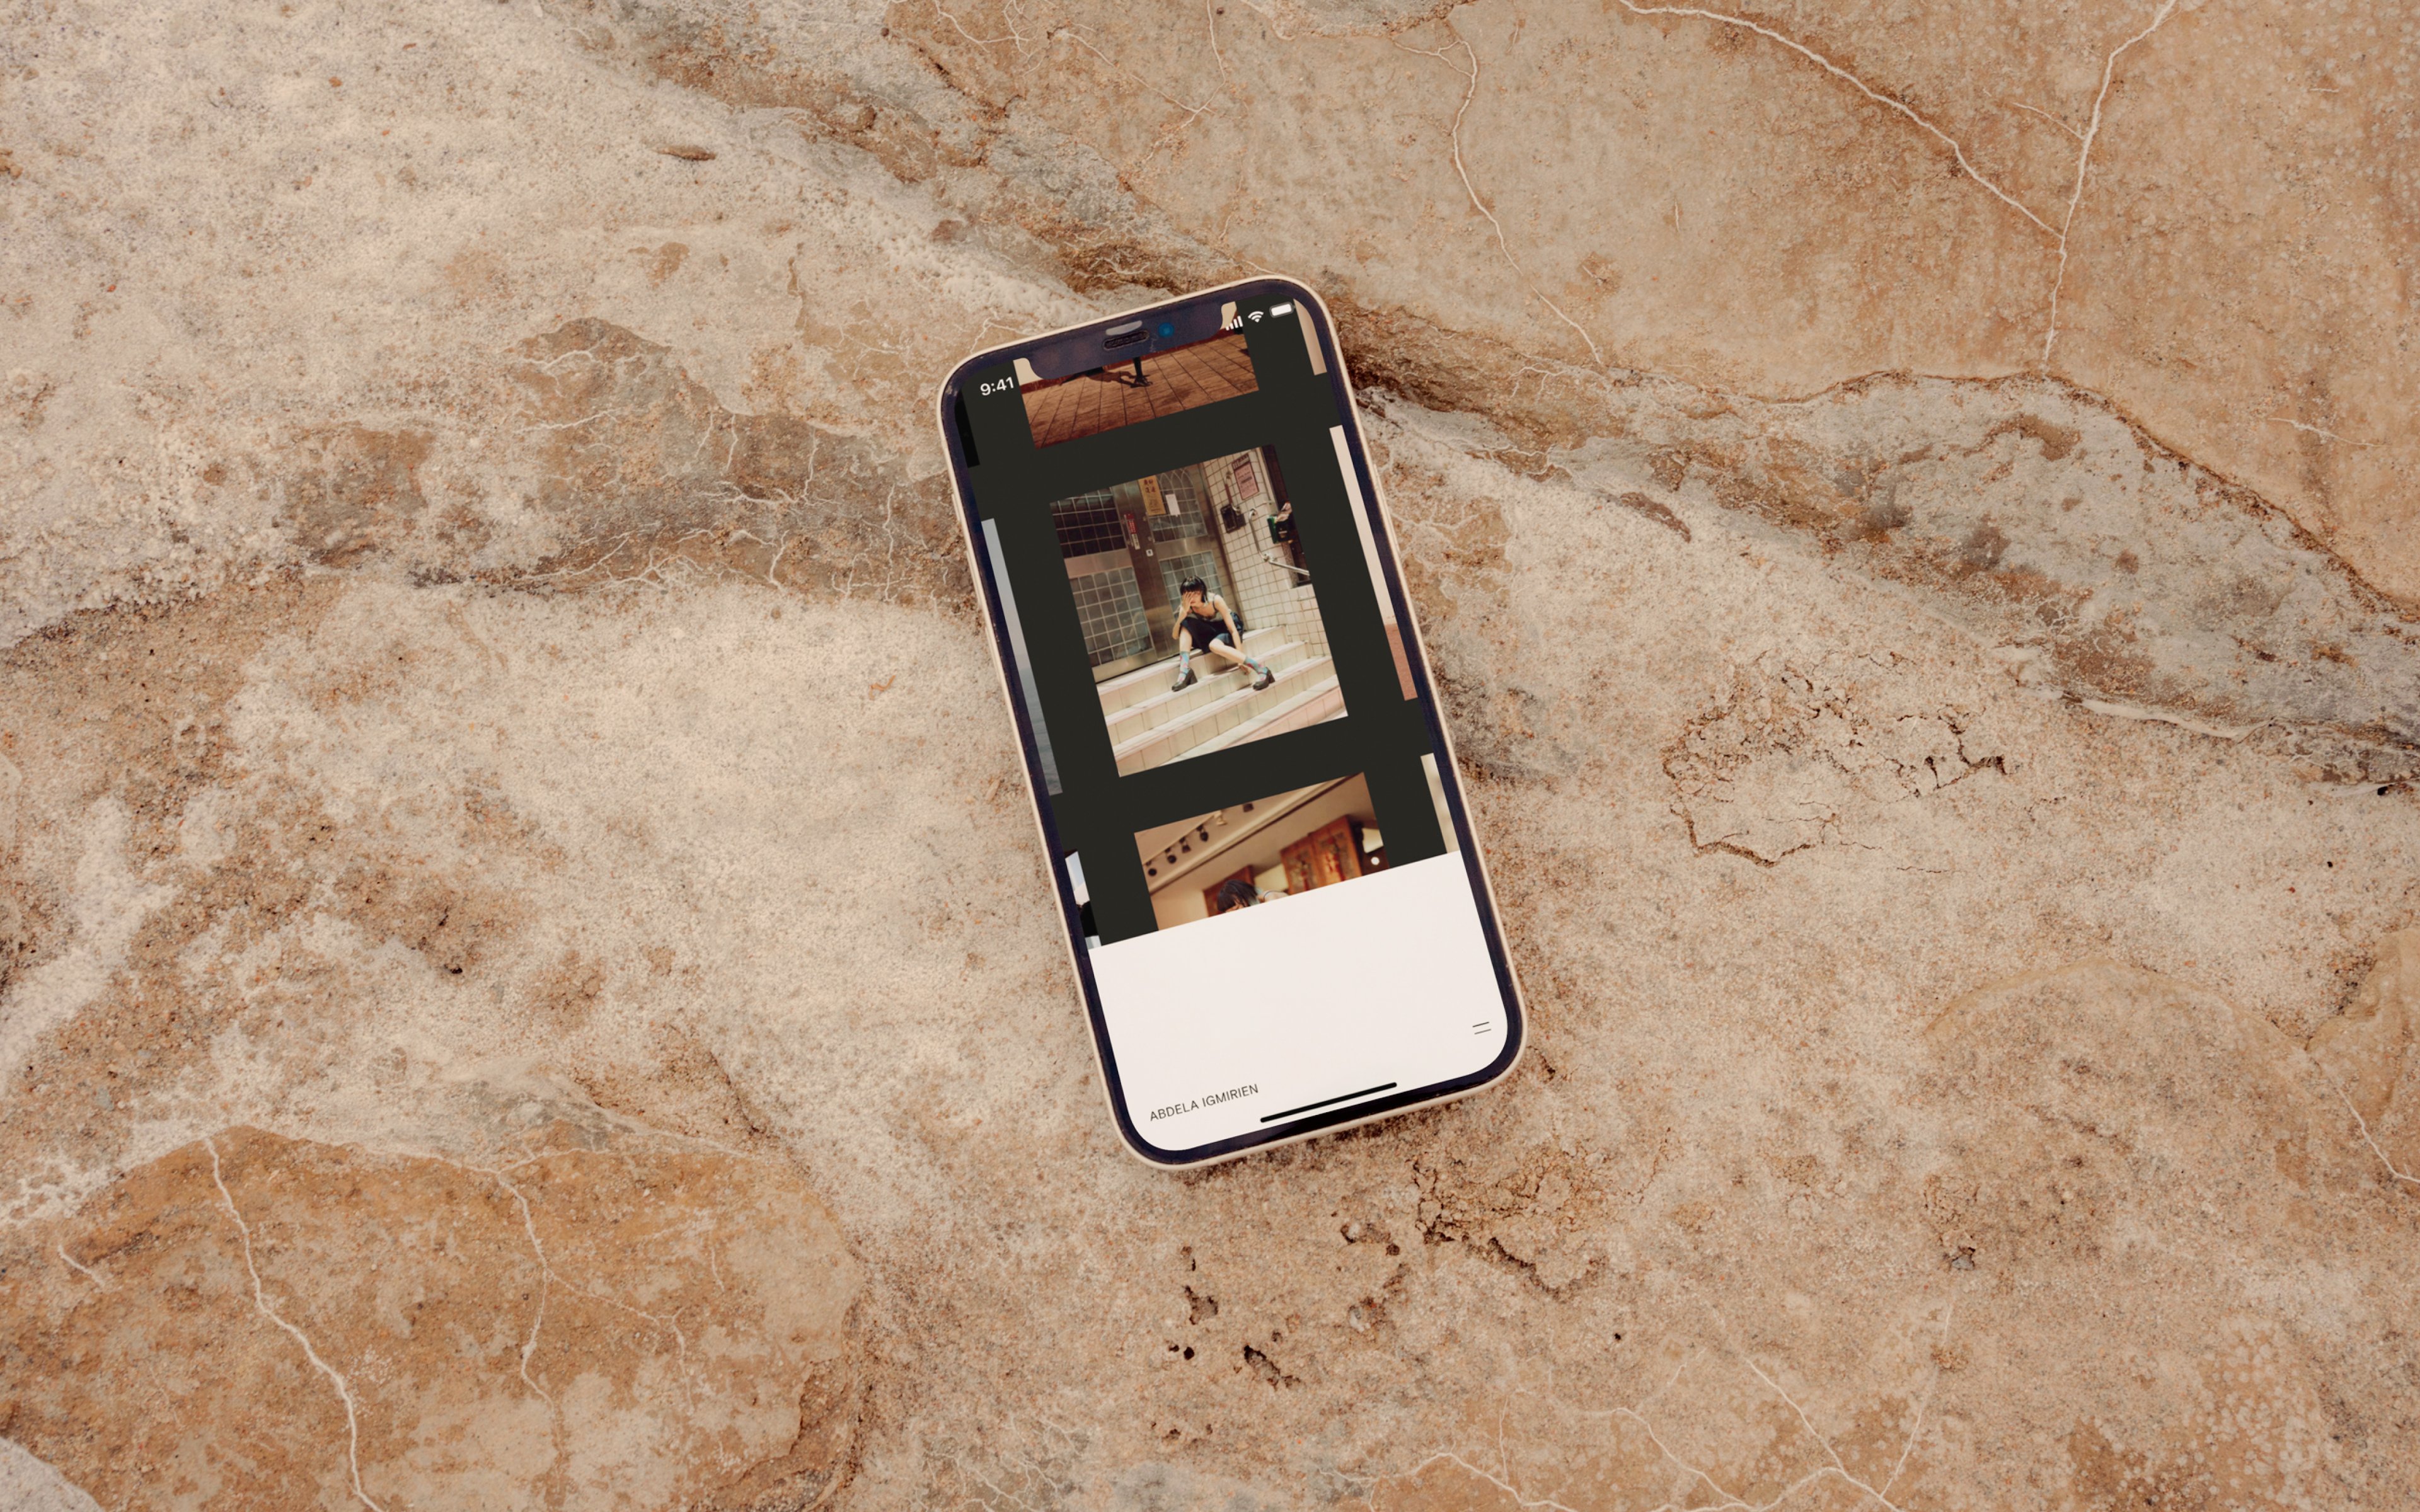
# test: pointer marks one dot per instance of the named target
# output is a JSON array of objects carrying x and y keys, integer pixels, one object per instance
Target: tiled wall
[
  {"x": 1109, "y": 604},
  {"x": 1088, "y": 523},
  {"x": 1111, "y": 607},
  {"x": 1266, "y": 595}
]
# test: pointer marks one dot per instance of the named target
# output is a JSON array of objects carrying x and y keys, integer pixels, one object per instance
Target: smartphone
[{"x": 1273, "y": 901}]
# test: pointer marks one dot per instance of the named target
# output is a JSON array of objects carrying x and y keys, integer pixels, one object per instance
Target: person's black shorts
[{"x": 1205, "y": 633}]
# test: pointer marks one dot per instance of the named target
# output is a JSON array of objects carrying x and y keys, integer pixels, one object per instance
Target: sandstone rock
[
  {"x": 1772, "y": 201},
  {"x": 13, "y": 918},
  {"x": 485, "y": 642},
  {"x": 2370, "y": 1050},
  {"x": 2144, "y": 1151},
  {"x": 257, "y": 1321},
  {"x": 2116, "y": 1171},
  {"x": 1793, "y": 759},
  {"x": 650, "y": 475},
  {"x": 27, "y": 1485}
]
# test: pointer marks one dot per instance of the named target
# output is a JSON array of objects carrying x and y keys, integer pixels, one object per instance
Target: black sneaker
[
  {"x": 1183, "y": 680},
  {"x": 1269, "y": 675}
]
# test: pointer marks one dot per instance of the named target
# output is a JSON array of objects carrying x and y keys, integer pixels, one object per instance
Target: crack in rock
[
  {"x": 2108, "y": 567},
  {"x": 408, "y": 1283},
  {"x": 1789, "y": 760}
]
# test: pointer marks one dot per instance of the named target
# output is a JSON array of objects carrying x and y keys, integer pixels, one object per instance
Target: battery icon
[{"x": 1281, "y": 309}]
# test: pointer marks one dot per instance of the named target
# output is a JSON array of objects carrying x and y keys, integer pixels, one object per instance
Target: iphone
[{"x": 1276, "y": 907}]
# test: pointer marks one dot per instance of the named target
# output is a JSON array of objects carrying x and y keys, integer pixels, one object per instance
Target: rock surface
[
  {"x": 260, "y": 1321},
  {"x": 2372, "y": 1050},
  {"x": 1911, "y": 510}
]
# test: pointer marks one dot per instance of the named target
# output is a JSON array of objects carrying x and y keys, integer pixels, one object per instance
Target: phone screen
[{"x": 1282, "y": 924}]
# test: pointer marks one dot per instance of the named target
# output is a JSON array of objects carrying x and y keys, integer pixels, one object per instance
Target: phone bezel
[{"x": 1310, "y": 307}]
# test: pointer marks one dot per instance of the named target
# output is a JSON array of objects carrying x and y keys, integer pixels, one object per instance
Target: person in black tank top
[{"x": 1206, "y": 625}]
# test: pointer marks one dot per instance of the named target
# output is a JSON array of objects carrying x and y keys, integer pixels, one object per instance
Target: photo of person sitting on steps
[
  {"x": 1172, "y": 580},
  {"x": 1208, "y": 626}
]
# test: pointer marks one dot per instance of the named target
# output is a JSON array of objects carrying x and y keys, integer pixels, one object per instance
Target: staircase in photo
[{"x": 1150, "y": 726}]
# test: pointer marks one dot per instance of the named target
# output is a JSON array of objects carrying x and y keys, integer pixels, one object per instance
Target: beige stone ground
[{"x": 525, "y": 980}]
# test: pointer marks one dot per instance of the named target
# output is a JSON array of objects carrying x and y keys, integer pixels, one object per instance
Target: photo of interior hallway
[{"x": 1257, "y": 853}]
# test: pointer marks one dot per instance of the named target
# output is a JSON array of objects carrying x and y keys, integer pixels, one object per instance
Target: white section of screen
[
  {"x": 1383, "y": 979},
  {"x": 1361, "y": 521}
]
